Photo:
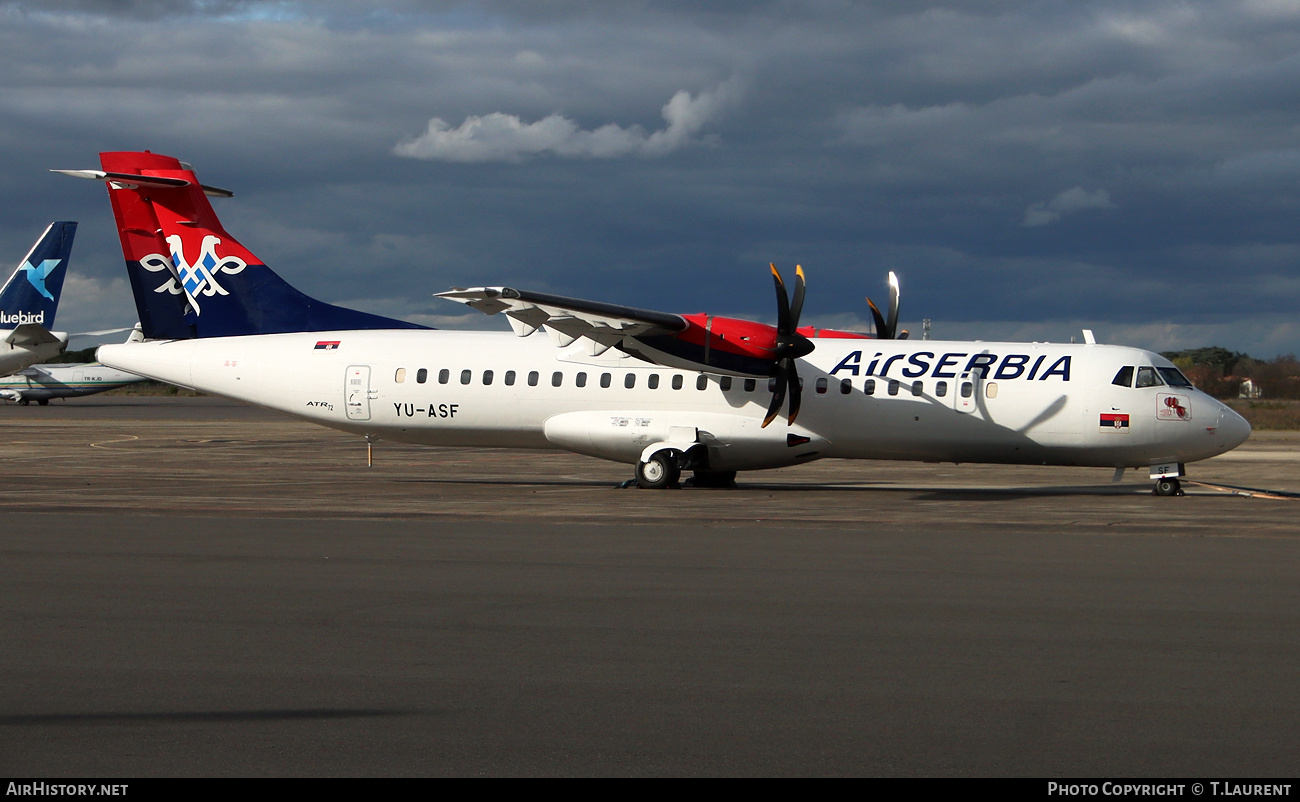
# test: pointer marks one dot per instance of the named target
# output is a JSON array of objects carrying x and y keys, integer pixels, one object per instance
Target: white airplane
[
  {"x": 40, "y": 383},
  {"x": 30, "y": 298},
  {"x": 664, "y": 392}
]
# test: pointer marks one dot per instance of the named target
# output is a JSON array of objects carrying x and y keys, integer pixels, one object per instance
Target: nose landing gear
[
  {"x": 1165, "y": 475},
  {"x": 1167, "y": 487}
]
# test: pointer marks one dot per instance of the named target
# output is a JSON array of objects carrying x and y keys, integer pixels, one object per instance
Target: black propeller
[
  {"x": 790, "y": 345},
  {"x": 887, "y": 328}
]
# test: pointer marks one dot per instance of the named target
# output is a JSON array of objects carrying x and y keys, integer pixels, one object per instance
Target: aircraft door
[
  {"x": 965, "y": 392},
  {"x": 357, "y": 392}
]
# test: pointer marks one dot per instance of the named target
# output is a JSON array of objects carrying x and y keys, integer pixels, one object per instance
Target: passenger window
[
  {"x": 557, "y": 378},
  {"x": 532, "y": 378},
  {"x": 771, "y": 385},
  {"x": 750, "y": 384},
  {"x": 1147, "y": 377},
  {"x": 893, "y": 386},
  {"x": 444, "y": 376},
  {"x": 967, "y": 389},
  {"x": 725, "y": 383},
  {"x": 629, "y": 381},
  {"x": 821, "y": 385},
  {"x": 487, "y": 377},
  {"x": 846, "y": 386},
  {"x": 940, "y": 389},
  {"x": 401, "y": 375},
  {"x": 580, "y": 379},
  {"x": 991, "y": 390},
  {"x": 653, "y": 381},
  {"x": 701, "y": 382},
  {"x": 510, "y": 378},
  {"x": 421, "y": 376},
  {"x": 605, "y": 379},
  {"x": 1124, "y": 378},
  {"x": 466, "y": 376},
  {"x": 677, "y": 382},
  {"x": 917, "y": 388},
  {"x": 869, "y": 387}
]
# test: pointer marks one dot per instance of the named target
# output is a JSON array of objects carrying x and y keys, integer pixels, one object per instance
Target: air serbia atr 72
[{"x": 661, "y": 391}]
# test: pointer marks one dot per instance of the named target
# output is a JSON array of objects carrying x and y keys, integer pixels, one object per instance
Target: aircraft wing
[
  {"x": 31, "y": 334},
  {"x": 569, "y": 318}
]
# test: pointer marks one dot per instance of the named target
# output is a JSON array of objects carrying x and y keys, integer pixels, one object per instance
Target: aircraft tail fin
[
  {"x": 31, "y": 295},
  {"x": 190, "y": 277}
]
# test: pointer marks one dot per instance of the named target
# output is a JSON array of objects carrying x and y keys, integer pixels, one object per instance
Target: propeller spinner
[{"x": 790, "y": 345}]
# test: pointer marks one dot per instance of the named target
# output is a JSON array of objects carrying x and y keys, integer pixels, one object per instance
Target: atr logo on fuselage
[
  {"x": 957, "y": 363},
  {"x": 193, "y": 278}
]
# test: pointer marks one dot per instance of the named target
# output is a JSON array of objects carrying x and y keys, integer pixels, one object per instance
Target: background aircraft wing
[{"x": 570, "y": 318}]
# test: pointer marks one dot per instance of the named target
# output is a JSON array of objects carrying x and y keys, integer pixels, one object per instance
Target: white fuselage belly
[{"x": 1034, "y": 404}]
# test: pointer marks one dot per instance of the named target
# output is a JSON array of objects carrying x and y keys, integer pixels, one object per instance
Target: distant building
[{"x": 1250, "y": 390}]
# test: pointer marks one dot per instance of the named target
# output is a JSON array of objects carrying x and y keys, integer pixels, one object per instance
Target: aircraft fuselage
[{"x": 1025, "y": 403}]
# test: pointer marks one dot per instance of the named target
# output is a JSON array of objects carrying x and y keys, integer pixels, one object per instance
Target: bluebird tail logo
[
  {"x": 19, "y": 318},
  {"x": 36, "y": 275},
  {"x": 193, "y": 278}
]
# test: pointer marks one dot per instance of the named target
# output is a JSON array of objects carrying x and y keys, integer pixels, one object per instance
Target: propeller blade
[
  {"x": 796, "y": 305},
  {"x": 882, "y": 330},
  {"x": 782, "y": 303},
  {"x": 796, "y": 393},
  {"x": 778, "y": 394},
  {"x": 892, "y": 321}
]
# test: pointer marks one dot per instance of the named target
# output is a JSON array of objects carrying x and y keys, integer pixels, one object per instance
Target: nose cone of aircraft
[{"x": 1233, "y": 429}]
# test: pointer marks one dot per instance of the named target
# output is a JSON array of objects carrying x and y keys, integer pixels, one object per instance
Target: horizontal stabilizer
[
  {"x": 31, "y": 334},
  {"x": 131, "y": 180}
]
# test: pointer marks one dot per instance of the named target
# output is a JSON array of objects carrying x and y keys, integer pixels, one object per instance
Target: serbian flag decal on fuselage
[
  {"x": 327, "y": 345},
  {"x": 1111, "y": 420}
]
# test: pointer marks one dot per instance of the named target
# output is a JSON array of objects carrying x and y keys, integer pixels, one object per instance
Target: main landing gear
[
  {"x": 660, "y": 471},
  {"x": 664, "y": 469}
]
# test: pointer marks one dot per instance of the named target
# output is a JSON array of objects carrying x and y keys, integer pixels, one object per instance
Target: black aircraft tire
[
  {"x": 714, "y": 479},
  {"x": 1167, "y": 487},
  {"x": 658, "y": 472}
]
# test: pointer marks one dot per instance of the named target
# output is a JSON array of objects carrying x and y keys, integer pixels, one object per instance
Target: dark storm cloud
[{"x": 1027, "y": 168}]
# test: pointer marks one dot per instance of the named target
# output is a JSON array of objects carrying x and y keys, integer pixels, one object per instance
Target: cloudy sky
[{"x": 1027, "y": 168}]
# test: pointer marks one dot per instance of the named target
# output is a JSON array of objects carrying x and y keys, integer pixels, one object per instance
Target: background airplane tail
[
  {"x": 31, "y": 295},
  {"x": 189, "y": 276}
]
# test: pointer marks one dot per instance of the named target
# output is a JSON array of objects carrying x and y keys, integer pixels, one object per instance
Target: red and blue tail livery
[{"x": 189, "y": 276}]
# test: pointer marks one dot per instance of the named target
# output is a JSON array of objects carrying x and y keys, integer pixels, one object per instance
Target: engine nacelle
[{"x": 720, "y": 441}]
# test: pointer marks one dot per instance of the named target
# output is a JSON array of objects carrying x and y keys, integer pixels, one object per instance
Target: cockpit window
[
  {"x": 1147, "y": 377},
  {"x": 1174, "y": 377},
  {"x": 1124, "y": 378}
]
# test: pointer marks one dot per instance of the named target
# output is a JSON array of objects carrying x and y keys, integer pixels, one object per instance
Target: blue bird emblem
[{"x": 37, "y": 275}]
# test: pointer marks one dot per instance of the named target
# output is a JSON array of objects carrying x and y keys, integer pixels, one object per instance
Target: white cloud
[
  {"x": 505, "y": 137},
  {"x": 1068, "y": 202}
]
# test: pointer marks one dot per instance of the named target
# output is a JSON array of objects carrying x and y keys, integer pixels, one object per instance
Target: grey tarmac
[{"x": 193, "y": 587}]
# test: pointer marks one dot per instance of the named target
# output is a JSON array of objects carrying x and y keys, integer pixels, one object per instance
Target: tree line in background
[{"x": 1221, "y": 372}]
